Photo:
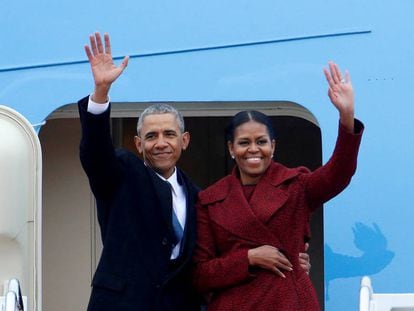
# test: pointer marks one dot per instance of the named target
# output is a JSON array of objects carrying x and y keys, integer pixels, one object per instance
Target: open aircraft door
[{"x": 20, "y": 207}]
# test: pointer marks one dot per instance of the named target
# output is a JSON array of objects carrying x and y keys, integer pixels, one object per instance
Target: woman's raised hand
[{"x": 341, "y": 94}]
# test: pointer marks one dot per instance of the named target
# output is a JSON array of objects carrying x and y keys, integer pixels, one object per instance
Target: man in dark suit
[{"x": 145, "y": 208}]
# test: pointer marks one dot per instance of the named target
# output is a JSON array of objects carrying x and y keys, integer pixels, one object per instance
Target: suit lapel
[
  {"x": 189, "y": 196},
  {"x": 191, "y": 222},
  {"x": 190, "y": 229},
  {"x": 163, "y": 191}
]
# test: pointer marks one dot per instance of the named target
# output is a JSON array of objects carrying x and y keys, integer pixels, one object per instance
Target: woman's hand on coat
[{"x": 270, "y": 258}]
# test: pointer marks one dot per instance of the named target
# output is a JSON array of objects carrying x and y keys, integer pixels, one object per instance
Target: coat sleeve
[
  {"x": 210, "y": 270},
  {"x": 330, "y": 179},
  {"x": 97, "y": 153}
]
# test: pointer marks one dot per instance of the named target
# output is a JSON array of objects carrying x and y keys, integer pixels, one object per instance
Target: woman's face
[{"x": 253, "y": 150}]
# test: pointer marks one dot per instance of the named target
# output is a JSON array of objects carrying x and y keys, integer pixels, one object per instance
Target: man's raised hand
[{"x": 104, "y": 71}]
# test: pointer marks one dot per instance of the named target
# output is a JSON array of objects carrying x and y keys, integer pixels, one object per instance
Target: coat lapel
[
  {"x": 236, "y": 216},
  {"x": 270, "y": 195},
  {"x": 267, "y": 200},
  {"x": 249, "y": 220}
]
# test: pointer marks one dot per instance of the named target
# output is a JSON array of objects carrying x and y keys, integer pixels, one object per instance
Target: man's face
[{"x": 160, "y": 142}]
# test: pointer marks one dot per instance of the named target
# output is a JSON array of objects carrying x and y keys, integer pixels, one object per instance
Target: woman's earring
[{"x": 232, "y": 156}]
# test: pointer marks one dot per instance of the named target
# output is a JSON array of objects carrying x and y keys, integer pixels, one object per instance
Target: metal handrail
[
  {"x": 14, "y": 286},
  {"x": 10, "y": 303},
  {"x": 13, "y": 300}
]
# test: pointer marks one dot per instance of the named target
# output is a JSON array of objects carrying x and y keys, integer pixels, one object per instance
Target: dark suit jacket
[
  {"x": 277, "y": 214},
  {"x": 134, "y": 214}
]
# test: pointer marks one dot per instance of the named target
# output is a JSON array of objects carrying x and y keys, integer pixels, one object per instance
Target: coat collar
[
  {"x": 244, "y": 219},
  {"x": 269, "y": 195},
  {"x": 275, "y": 175}
]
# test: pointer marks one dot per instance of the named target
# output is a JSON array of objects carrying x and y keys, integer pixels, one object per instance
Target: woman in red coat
[{"x": 252, "y": 223}]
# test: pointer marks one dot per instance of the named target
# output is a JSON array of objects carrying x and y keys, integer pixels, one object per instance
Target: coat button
[{"x": 164, "y": 241}]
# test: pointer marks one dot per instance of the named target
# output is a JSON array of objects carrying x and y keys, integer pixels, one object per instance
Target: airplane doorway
[{"x": 71, "y": 238}]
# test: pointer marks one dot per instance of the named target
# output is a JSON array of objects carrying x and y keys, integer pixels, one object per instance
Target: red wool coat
[{"x": 278, "y": 214}]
